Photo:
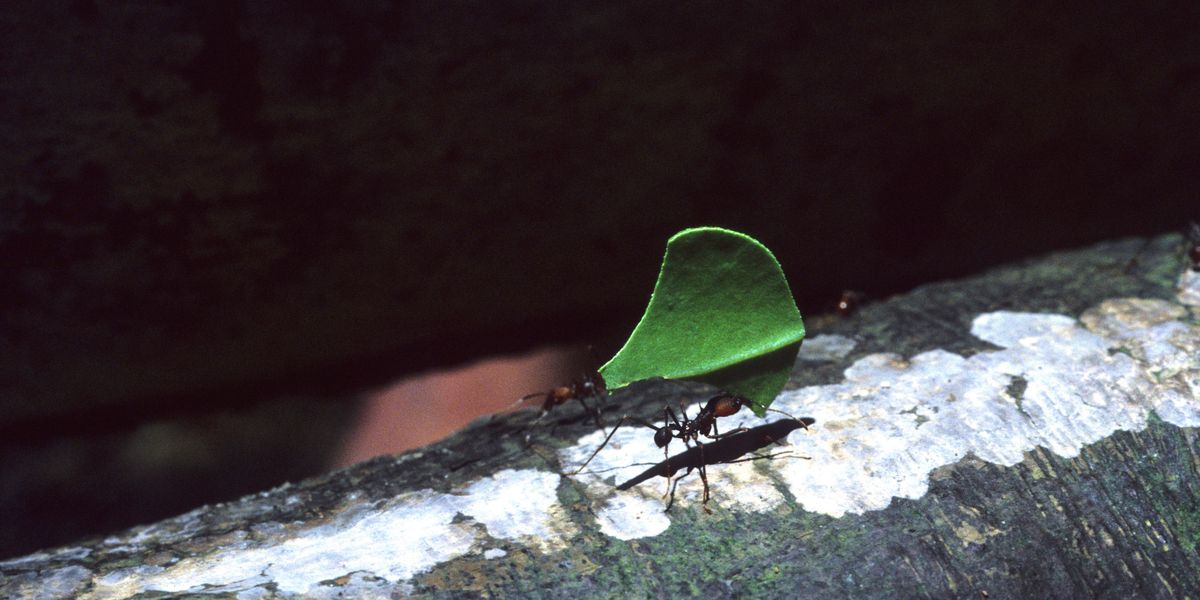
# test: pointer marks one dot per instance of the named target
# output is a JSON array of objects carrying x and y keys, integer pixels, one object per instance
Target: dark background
[{"x": 221, "y": 222}]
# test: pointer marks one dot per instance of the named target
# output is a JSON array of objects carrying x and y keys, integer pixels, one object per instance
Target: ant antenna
[
  {"x": 754, "y": 456},
  {"x": 608, "y": 437},
  {"x": 803, "y": 421}
]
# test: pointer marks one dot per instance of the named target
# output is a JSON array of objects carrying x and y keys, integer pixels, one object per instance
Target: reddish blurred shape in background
[{"x": 423, "y": 409}]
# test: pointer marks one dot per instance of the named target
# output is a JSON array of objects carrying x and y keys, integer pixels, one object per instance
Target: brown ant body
[
  {"x": 590, "y": 386},
  {"x": 849, "y": 302},
  {"x": 688, "y": 430}
]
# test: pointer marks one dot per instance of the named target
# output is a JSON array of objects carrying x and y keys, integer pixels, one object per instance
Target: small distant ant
[
  {"x": 688, "y": 430},
  {"x": 849, "y": 302}
]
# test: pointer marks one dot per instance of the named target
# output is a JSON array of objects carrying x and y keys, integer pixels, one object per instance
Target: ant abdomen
[{"x": 725, "y": 405}]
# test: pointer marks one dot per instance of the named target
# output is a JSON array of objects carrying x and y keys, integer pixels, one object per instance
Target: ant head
[
  {"x": 662, "y": 437},
  {"x": 724, "y": 405},
  {"x": 594, "y": 384}
]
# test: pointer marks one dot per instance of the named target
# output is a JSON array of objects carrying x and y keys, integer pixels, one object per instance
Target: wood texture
[{"x": 1119, "y": 520}]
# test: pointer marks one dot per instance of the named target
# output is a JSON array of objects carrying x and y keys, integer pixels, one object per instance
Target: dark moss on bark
[{"x": 1118, "y": 520}]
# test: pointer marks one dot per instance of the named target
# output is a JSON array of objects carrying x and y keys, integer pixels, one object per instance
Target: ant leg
[
  {"x": 667, "y": 462},
  {"x": 671, "y": 485},
  {"x": 675, "y": 484},
  {"x": 593, "y": 411},
  {"x": 669, "y": 419},
  {"x": 756, "y": 456},
  {"x": 609, "y": 437},
  {"x": 518, "y": 402},
  {"x": 523, "y": 399},
  {"x": 717, "y": 436},
  {"x": 704, "y": 479},
  {"x": 529, "y": 428}
]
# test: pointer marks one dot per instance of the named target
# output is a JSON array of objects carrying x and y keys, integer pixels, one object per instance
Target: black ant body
[
  {"x": 688, "y": 430},
  {"x": 728, "y": 450}
]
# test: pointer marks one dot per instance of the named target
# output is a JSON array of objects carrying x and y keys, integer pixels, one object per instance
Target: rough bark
[{"x": 1119, "y": 519}]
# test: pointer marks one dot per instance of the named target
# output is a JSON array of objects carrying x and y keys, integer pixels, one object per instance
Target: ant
[
  {"x": 590, "y": 385},
  {"x": 849, "y": 302},
  {"x": 727, "y": 450},
  {"x": 688, "y": 430}
]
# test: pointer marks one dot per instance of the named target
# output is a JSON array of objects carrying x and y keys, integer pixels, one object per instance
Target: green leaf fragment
[{"x": 721, "y": 313}]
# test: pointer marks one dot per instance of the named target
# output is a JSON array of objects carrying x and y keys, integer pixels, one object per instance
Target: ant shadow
[{"x": 727, "y": 449}]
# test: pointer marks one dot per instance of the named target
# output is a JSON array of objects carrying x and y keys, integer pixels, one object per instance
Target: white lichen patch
[
  {"x": 1056, "y": 382},
  {"x": 625, "y": 515},
  {"x": 630, "y": 516},
  {"x": 520, "y": 506},
  {"x": 1188, "y": 289},
  {"x": 390, "y": 544}
]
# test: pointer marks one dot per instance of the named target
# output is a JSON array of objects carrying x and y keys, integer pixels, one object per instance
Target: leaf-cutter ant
[
  {"x": 727, "y": 450},
  {"x": 849, "y": 302},
  {"x": 688, "y": 430},
  {"x": 589, "y": 386}
]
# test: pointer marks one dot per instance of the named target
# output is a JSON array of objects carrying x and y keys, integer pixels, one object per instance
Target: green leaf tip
[{"x": 721, "y": 313}]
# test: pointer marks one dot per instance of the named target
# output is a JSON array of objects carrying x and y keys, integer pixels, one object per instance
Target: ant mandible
[{"x": 688, "y": 430}]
